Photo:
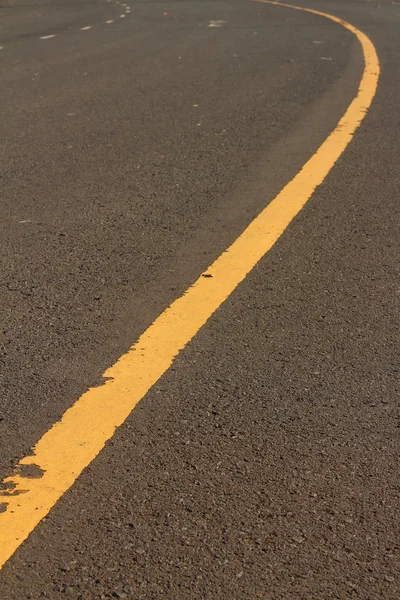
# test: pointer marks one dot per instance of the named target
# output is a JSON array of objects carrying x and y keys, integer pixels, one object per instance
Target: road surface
[{"x": 139, "y": 140}]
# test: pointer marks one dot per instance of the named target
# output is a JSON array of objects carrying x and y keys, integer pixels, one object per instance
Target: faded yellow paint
[{"x": 72, "y": 443}]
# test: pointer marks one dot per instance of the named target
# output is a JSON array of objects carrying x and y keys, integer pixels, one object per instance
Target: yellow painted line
[{"x": 72, "y": 443}]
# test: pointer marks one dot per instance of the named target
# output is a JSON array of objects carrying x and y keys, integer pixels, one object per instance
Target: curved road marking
[{"x": 39, "y": 480}]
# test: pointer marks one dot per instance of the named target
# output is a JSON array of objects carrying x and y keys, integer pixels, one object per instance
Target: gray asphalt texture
[{"x": 264, "y": 464}]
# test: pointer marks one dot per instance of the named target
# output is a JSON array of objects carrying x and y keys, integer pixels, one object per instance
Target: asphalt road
[{"x": 264, "y": 463}]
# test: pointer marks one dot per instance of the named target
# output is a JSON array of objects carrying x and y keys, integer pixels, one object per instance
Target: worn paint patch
[{"x": 30, "y": 471}]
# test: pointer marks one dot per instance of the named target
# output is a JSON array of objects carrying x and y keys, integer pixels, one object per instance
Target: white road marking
[
  {"x": 47, "y": 37},
  {"x": 216, "y": 23},
  {"x": 108, "y": 22},
  {"x": 86, "y": 28},
  {"x": 122, "y": 16}
]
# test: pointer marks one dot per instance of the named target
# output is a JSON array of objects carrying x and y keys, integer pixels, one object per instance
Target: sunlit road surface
[{"x": 199, "y": 300}]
